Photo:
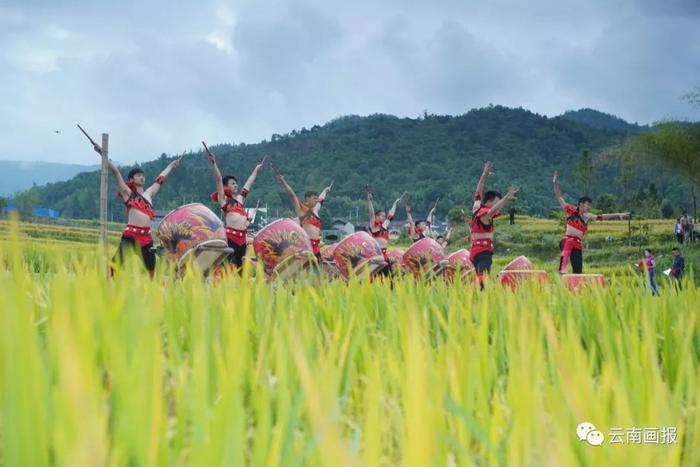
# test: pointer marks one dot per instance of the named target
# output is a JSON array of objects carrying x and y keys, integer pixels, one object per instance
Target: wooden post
[
  {"x": 103, "y": 194},
  {"x": 629, "y": 229}
]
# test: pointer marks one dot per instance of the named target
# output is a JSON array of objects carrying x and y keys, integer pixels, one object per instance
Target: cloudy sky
[{"x": 160, "y": 76}]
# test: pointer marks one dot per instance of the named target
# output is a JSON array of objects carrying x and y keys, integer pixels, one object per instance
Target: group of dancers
[{"x": 487, "y": 205}]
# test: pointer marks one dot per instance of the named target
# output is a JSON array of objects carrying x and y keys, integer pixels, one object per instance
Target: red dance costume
[
  {"x": 380, "y": 231},
  {"x": 481, "y": 238},
  {"x": 236, "y": 236},
  {"x": 579, "y": 222},
  {"x": 309, "y": 217},
  {"x": 142, "y": 235}
]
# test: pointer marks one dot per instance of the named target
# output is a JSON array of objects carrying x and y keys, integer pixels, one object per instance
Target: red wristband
[{"x": 160, "y": 180}]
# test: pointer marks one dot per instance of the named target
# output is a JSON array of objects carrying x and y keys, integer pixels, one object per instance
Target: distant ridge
[
  {"x": 21, "y": 175},
  {"x": 599, "y": 120}
]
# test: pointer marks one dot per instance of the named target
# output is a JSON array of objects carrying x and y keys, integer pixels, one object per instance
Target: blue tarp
[{"x": 37, "y": 212}]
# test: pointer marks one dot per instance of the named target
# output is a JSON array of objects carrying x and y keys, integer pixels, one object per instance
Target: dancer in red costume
[
  {"x": 379, "y": 221},
  {"x": 231, "y": 202},
  {"x": 308, "y": 211},
  {"x": 486, "y": 207},
  {"x": 577, "y": 219},
  {"x": 420, "y": 229},
  {"x": 139, "y": 210}
]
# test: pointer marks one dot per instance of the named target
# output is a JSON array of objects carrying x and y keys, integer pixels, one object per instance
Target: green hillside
[{"x": 428, "y": 157}]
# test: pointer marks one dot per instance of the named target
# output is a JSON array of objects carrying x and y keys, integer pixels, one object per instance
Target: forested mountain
[
  {"x": 599, "y": 120},
  {"x": 428, "y": 157}
]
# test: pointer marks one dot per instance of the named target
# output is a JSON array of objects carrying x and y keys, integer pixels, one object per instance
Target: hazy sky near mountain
[{"x": 160, "y": 76}]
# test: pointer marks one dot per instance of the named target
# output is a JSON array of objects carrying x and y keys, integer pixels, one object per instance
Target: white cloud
[{"x": 160, "y": 77}]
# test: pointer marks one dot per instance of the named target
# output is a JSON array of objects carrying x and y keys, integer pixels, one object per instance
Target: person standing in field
[
  {"x": 685, "y": 227},
  {"x": 649, "y": 265},
  {"x": 136, "y": 237},
  {"x": 230, "y": 200},
  {"x": 577, "y": 219},
  {"x": 308, "y": 211},
  {"x": 678, "y": 231},
  {"x": 691, "y": 229},
  {"x": 420, "y": 229},
  {"x": 678, "y": 267},
  {"x": 485, "y": 209},
  {"x": 511, "y": 215},
  {"x": 379, "y": 221}
]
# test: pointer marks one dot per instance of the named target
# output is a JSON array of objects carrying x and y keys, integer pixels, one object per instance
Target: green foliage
[
  {"x": 667, "y": 210},
  {"x": 583, "y": 172},
  {"x": 26, "y": 201},
  {"x": 427, "y": 157},
  {"x": 458, "y": 215},
  {"x": 130, "y": 371},
  {"x": 599, "y": 120},
  {"x": 678, "y": 146},
  {"x": 606, "y": 202}
]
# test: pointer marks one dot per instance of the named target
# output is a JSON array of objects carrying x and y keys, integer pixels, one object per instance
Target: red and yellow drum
[
  {"x": 284, "y": 248},
  {"x": 328, "y": 261},
  {"x": 458, "y": 262},
  {"x": 395, "y": 258},
  {"x": 357, "y": 253},
  {"x": 193, "y": 234},
  {"x": 426, "y": 256}
]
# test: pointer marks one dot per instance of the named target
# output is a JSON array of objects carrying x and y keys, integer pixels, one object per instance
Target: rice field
[{"x": 241, "y": 372}]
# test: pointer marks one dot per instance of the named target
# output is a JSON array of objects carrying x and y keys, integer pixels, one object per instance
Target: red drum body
[
  {"x": 328, "y": 261},
  {"x": 579, "y": 281},
  {"x": 283, "y": 247},
  {"x": 521, "y": 263},
  {"x": 458, "y": 262},
  {"x": 512, "y": 278},
  {"x": 193, "y": 234},
  {"x": 357, "y": 253},
  {"x": 426, "y": 256},
  {"x": 396, "y": 260}
]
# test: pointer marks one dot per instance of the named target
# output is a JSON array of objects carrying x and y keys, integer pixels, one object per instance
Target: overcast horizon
[{"x": 161, "y": 80}]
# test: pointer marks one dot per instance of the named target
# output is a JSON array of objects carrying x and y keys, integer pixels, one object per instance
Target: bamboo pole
[{"x": 103, "y": 195}]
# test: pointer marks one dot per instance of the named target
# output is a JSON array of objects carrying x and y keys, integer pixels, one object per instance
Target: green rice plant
[{"x": 237, "y": 371}]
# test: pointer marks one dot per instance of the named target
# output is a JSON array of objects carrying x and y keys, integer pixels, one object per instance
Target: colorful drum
[
  {"x": 511, "y": 278},
  {"x": 578, "y": 281},
  {"x": 521, "y": 263},
  {"x": 328, "y": 261},
  {"x": 460, "y": 263},
  {"x": 395, "y": 258},
  {"x": 284, "y": 248},
  {"x": 357, "y": 253},
  {"x": 425, "y": 256},
  {"x": 193, "y": 234}
]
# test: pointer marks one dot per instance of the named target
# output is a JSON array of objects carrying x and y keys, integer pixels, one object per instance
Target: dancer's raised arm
[
  {"x": 122, "y": 187},
  {"x": 160, "y": 179},
  {"x": 251, "y": 179},
  {"x": 296, "y": 204},
  {"x": 218, "y": 180},
  {"x": 557, "y": 190},
  {"x": 486, "y": 218},
  {"x": 431, "y": 214},
  {"x": 479, "y": 192}
]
